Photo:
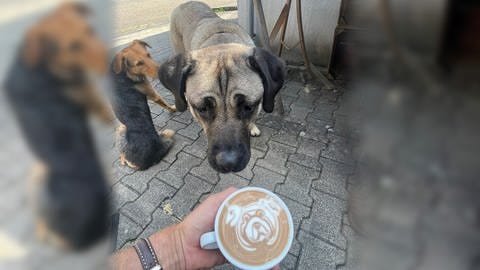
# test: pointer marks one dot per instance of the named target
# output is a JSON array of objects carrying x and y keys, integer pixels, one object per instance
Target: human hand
[{"x": 178, "y": 247}]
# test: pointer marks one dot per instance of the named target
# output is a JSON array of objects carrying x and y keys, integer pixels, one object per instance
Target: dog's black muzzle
[{"x": 229, "y": 151}]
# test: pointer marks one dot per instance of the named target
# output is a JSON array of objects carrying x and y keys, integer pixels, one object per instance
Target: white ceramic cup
[{"x": 211, "y": 240}]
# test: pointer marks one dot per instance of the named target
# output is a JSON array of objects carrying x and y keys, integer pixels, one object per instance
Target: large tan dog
[{"x": 223, "y": 78}]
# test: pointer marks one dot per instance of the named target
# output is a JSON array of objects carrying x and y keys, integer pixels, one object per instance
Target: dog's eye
[
  {"x": 248, "y": 108},
  {"x": 148, "y": 55},
  {"x": 140, "y": 63},
  {"x": 202, "y": 109},
  {"x": 76, "y": 46}
]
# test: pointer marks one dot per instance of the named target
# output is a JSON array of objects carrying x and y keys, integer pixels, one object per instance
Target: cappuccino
[{"x": 254, "y": 228}]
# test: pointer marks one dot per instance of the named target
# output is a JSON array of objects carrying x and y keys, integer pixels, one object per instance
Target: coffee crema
[{"x": 253, "y": 227}]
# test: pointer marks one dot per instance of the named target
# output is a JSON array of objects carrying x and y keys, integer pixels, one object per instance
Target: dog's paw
[
  {"x": 254, "y": 131},
  {"x": 172, "y": 108},
  {"x": 167, "y": 133}
]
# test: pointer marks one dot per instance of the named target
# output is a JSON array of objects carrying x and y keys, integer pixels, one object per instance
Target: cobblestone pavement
[{"x": 302, "y": 156}]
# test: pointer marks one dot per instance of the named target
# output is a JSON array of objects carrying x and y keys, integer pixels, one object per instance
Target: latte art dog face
[
  {"x": 254, "y": 227},
  {"x": 255, "y": 223}
]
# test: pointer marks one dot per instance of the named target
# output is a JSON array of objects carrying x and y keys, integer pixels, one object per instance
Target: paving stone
[
  {"x": 122, "y": 194},
  {"x": 306, "y": 161},
  {"x": 174, "y": 125},
  {"x": 338, "y": 150},
  {"x": 292, "y": 89},
  {"x": 141, "y": 209},
  {"x": 114, "y": 152},
  {"x": 298, "y": 113},
  {"x": 160, "y": 220},
  {"x": 192, "y": 131},
  {"x": 118, "y": 171},
  {"x": 289, "y": 133},
  {"x": 139, "y": 179},
  {"x": 180, "y": 142},
  {"x": 298, "y": 211},
  {"x": 287, "y": 102},
  {"x": 328, "y": 96},
  {"x": 265, "y": 178},
  {"x": 316, "y": 129},
  {"x": 247, "y": 173},
  {"x": 298, "y": 171},
  {"x": 206, "y": 172},
  {"x": 271, "y": 120},
  {"x": 317, "y": 254},
  {"x": 226, "y": 266},
  {"x": 323, "y": 111},
  {"x": 297, "y": 183},
  {"x": 305, "y": 100},
  {"x": 326, "y": 219},
  {"x": 161, "y": 119},
  {"x": 311, "y": 147},
  {"x": 276, "y": 157},
  {"x": 177, "y": 171},
  {"x": 333, "y": 179},
  {"x": 296, "y": 247},
  {"x": 198, "y": 148},
  {"x": 156, "y": 109},
  {"x": 353, "y": 247},
  {"x": 260, "y": 142},
  {"x": 186, "y": 197},
  {"x": 127, "y": 231},
  {"x": 289, "y": 262},
  {"x": 183, "y": 117},
  {"x": 229, "y": 180}
]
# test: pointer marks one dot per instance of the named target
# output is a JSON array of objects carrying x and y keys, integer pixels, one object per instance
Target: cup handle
[{"x": 208, "y": 241}]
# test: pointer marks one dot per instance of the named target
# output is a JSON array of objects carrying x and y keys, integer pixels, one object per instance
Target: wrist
[{"x": 168, "y": 246}]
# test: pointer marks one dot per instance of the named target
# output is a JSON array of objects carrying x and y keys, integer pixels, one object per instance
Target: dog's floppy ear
[
  {"x": 272, "y": 71},
  {"x": 173, "y": 74},
  {"x": 118, "y": 63},
  {"x": 143, "y": 43}
]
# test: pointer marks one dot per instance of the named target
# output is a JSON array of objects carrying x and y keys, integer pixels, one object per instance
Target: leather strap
[{"x": 146, "y": 255}]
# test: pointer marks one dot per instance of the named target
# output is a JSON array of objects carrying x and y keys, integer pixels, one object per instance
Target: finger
[
  {"x": 203, "y": 216},
  {"x": 218, "y": 198},
  {"x": 276, "y": 267}
]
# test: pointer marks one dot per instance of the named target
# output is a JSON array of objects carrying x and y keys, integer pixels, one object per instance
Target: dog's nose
[{"x": 228, "y": 160}]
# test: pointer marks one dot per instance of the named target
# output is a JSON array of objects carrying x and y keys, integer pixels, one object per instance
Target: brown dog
[
  {"x": 223, "y": 79},
  {"x": 140, "y": 145},
  {"x": 137, "y": 63},
  {"x": 65, "y": 44},
  {"x": 49, "y": 87}
]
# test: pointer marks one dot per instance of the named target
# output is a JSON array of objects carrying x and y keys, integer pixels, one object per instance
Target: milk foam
[{"x": 255, "y": 223}]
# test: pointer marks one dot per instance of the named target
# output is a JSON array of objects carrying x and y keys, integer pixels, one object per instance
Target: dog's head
[
  {"x": 136, "y": 62},
  {"x": 65, "y": 44},
  {"x": 225, "y": 86}
]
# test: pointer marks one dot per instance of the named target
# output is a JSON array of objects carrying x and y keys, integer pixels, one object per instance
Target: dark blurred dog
[
  {"x": 49, "y": 90},
  {"x": 140, "y": 145}
]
